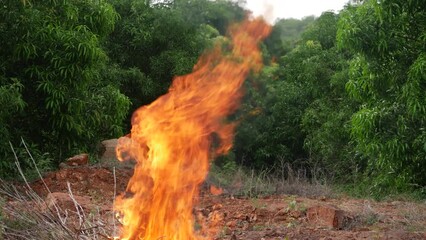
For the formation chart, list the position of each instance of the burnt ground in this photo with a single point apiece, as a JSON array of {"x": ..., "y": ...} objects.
[{"x": 271, "y": 217}]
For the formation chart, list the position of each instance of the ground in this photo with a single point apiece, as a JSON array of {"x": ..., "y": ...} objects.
[{"x": 236, "y": 217}]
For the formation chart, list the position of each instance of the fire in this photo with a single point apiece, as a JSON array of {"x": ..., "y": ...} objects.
[{"x": 173, "y": 139}]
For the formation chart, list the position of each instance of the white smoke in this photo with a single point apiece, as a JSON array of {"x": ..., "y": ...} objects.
[
  {"x": 265, "y": 8},
  {"x": 273, "y": 9}
]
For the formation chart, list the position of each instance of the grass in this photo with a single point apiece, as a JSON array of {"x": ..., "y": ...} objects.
[
  {"x": 26, "y": 215},
  {"x": 415, "y": 217},
  {"x": 239, "y": 181},
  {"x": 368, "y": 216},
  {"x": 361, "y": 188}
]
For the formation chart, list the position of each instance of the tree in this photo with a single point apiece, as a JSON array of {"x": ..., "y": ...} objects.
[
  {"x": 50, "y": 69},
  {"x": 285, "y": 35},
  {"x": 286, "y": 90},
  {"x": 218, "y": 14},
  {"x": 302, "y": 111},
  {"x": 326, "y": 120},
  {"x": 323, "y": 30},
  {"x": 387, "y": 76}
]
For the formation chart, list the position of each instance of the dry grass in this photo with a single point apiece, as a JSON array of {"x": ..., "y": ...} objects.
[
  {"x": 414, "y": 216},
  {"x": 367, "y": 217},
  {"x": 283, "y": 179},
  {"x": 26, "y": 215}
]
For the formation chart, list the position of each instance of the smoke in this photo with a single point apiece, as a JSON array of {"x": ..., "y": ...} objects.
[
  {"x": 268, "y": 11},
  {"x": 264, "y": 8}
]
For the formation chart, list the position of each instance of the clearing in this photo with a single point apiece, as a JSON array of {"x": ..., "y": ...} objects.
[{"x": 271, "y": 217}]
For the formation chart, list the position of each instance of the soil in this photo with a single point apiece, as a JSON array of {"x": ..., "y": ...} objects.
[{"x": 272, "y": 217}]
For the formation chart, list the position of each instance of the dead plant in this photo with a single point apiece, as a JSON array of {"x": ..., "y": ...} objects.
[{"x": 26, "y": 215}]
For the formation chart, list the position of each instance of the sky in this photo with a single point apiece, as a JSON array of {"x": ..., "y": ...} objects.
[{"x": 273, "y": 9}]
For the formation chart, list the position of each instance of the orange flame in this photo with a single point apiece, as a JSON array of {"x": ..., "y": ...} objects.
[{"x": 172, "y": 139}]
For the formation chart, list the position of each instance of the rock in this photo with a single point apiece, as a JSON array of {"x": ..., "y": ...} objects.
[
  {"x": 329, "y": 216},
  {"x": 108, "y": 155},
  {"x": 246, "y": 226},
  {"x": 216, "y": 218},
  {"x": 78, "y": 160},
  {"x": 231, "y": 224},
  {"x": 228, "y": 231},
  {"x": 217, "y": 206},
  {"x": 280, "y": 216},
  {"x": 108, "y": 147},
  {"x": 64, "y": 201},
  {"x": 215, "y": 190},
  {"x": 61, "y": 175},
  {"x": 262, "y": 212},
  {"x": 63, "y": 165},
  {"x": 295, "y": 214}
]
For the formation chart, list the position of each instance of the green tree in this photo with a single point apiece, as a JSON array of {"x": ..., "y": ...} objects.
[
  {"x": 285, "y": 35},
  {"x": 326, "y": 120},
  {"x": 302, "y": 109},
  {"x": 218, "y": 14},
  {"x": 323, "y": 30},
  {"x": 280, "y": 101},
  {"x": 267, "y": 130},
  {"x": 51, "y": 67},
  {"x": 387, "y": 76}
]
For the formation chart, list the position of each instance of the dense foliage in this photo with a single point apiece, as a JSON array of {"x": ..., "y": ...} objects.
[
  {"x": 304, "y": 109},
  {"x": 50, "y": 76},
  {"x": 348, "y": 100},
  {"x": 285, "y": 35},
  {"x": 342, "y": 94},
  {"x": 388, "y": 78}
]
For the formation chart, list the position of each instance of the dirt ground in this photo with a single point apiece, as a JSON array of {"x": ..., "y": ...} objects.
[{"x": 272, "y": 217}]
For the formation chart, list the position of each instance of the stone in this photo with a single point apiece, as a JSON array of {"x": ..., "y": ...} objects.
[
  {"x": 295, "y": 214},
  {"x": 231, "y": 224},
  {"x": 62, "y": 175},
  {"x": 64, "y": 201},
  {"x": 216, "y": 218},
  {"x": 108, "y": 147},
  {"x": 78, "y": 160},
  {"x": 63, "y": 165},
  {"x": 280, "y": 216},
  {"x": 326, "y": 215},
  {"x": 108, "y": 154},
  {"x": 217, "y": 206},
  {"x": 263, "y": 212}
]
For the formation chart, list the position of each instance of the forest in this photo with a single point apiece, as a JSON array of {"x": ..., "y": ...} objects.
[{"x": 342, "y": 95}]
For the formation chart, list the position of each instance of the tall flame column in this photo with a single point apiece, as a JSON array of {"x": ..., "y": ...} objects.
[{"x": 171, "y": 139}]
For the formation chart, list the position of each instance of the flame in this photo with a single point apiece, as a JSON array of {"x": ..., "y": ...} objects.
[{"x": 173, "y": 139}]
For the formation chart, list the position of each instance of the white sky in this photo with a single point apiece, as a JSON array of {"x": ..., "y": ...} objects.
[{"x": 273, "y": 9}]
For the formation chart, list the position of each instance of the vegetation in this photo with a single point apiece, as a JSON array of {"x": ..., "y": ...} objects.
[
  {"x": 388, "y": 79},
  {"x": 50, "y": 77},
  {"x": 342, "y": 94}
]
